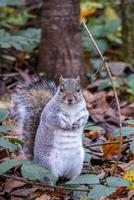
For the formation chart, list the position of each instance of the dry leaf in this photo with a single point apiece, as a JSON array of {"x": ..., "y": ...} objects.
[
  {"x": 117, "y": 68},
  {"x": 85, "y": 13},
  {"x": 128, "y": 110},
  {"x": 110, "y": 149},
  {"x": 93, "y": 134},
  {"x": 24, "y": 192},
  {"x": 12, "y": 184},
  {"x": 43, "y": 197},
  {"x": 16, "y": 198},
  {"x": 126, "y": 166}
]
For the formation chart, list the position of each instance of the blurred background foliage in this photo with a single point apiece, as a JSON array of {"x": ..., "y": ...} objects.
[{"x": 20, "y": 35}]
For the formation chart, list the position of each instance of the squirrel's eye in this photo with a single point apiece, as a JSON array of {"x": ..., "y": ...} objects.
[
  {"x": 78, "y": 90},
  {"x": 61, "y": 89}
]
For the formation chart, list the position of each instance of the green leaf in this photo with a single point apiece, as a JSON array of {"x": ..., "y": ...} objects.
[
  {"x": 8, "y": 164},
  {"x": 130, "y": 121},
  {"x": 88, "y": 45},
  {"x": 5, "y": 39},
  {"x": 92, "y": 128},
  {"x": 96, "y": 62},
  {"x": 3, "y": 114},
  {"x": 78, "y": 194},
  {"x": 6, "y": 128},
  {"x": 27, "y": 39},
  {"x": 111, "y": 26},
  {"x": 87, "y": 157},
  {"x": 17, "y": 140},
  {"x": 3, "y": 3},
  {"x": 132, "y": 147},
  {"x": 107, "y": 84},
  {"x": 84, "y": 198},
  {"x": 15, "y": 2},
  {"x": 36, "y": 172},
  {"x": 85, "y": 179},
  {"x": 7, "y": 144},
  {"x": 101, "y": 191},
  {"x": 19, "y": 19},
  {"x": 96, "y": 30},
  {"x": 125, "y": 131},
  {"x": 20, "y": 43},
  {"x": 32, "y": 34},
  {"x": 101, "y": 30},
  {"x": 115, "y": 181},
  {"x": 130, "y": 83}
]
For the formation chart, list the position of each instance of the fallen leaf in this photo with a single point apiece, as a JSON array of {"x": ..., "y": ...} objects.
[
  {"x": 43, "y": 197},
  {"x": 128, "y": 110},
  {"x": 12, "y": 184},
  {"x": 24, "y": 192},
  {"x": 126, "y": 166},
  {"x": 130, "y": 195},
  {"x": 16, "y": 198},
  {"x": 117, "y": 68},
  {"x": 93, "y": 134},
  {"x": 110, "y": 150}
]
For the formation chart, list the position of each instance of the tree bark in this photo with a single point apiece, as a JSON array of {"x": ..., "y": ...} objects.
[
  {"x": 60, "y": 48},
  {"x": 127, "y": 11}
]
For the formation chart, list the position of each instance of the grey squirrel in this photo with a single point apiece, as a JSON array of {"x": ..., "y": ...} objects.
[{"x": 51, "y": 122}]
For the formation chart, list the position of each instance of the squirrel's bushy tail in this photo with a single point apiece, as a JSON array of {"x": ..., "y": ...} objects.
[{"x": 26, "y": 108}]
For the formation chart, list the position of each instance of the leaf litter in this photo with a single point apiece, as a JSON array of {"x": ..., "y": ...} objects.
[{"x": 100, "y": 145}]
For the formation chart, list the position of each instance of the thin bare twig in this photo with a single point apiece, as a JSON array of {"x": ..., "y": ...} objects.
[
  {"x": 106, "y": 143},
  {"x": 42, "y": 184},
  {"x": 114, "y": 90}
]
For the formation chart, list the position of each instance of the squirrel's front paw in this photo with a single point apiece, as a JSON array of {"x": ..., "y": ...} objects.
[
  {"x": 65, "y": 125},
  {"x": 78, "y": 124},
  {"x": 75, "y": 125}
]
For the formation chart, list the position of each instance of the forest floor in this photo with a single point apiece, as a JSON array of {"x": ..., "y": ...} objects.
[{"x": 101, "y": 144}]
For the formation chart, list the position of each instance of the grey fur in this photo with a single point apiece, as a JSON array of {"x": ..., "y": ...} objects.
[
  {"x": 31, "y": 100},
  {"x": 51, "y": 121}
]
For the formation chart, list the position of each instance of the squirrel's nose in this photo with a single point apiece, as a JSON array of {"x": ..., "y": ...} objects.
[{"x": 70, "y": 101}]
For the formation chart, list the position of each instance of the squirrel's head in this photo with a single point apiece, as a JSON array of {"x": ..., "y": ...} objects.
[{"x": 69, "y": 90}]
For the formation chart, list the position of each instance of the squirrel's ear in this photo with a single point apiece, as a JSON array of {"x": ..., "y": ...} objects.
[
  {"x": 78, "y": 79},
  {"x": 61, "y": 80}
]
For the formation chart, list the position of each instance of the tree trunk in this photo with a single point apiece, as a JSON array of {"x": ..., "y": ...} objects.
[
  {"x": 127, "y": 10},
  {"x": 60, "y": 48}
]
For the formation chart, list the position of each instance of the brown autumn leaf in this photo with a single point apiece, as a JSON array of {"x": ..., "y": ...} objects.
[
  {"x": 21, "y": 59},
  {"x": 128, "y": 110},
  {"x": 100, "y": 108},
  {"x": 24, "y": 192},
  {"x": 110, "y": 150},
  {"x": 93, "y": 134},
  {"x": 12, "y": 184},
  {"x": 119, "y": 192},
  {"x": 3, "y": 154},
  {"x": 43, "y": 197},
  {"x": 16, "y": 198}
]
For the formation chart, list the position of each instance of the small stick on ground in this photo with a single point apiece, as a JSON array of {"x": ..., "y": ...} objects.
[
  {"x": 42, "y": 184},
  {"x": 114, "y": 90},
  {"x": 106, "y": 143}
]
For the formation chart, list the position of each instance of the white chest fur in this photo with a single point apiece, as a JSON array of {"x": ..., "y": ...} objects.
[{"x": 68, "y": 154}]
